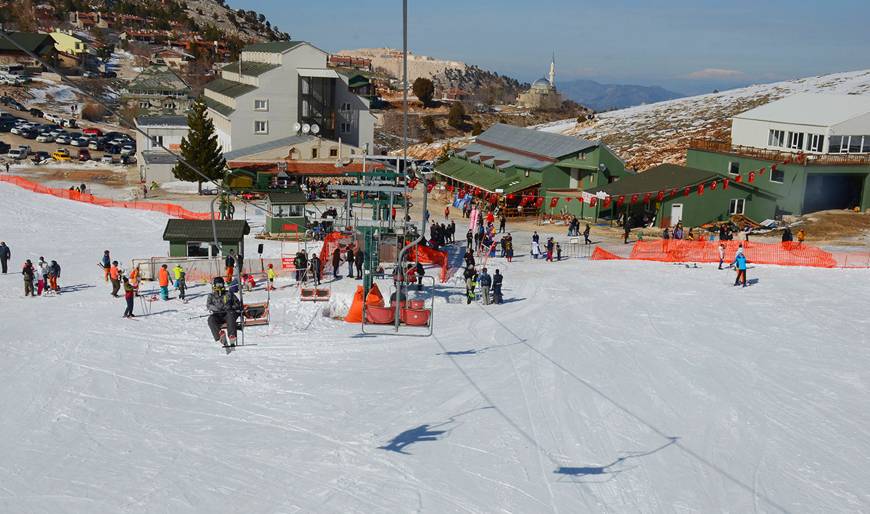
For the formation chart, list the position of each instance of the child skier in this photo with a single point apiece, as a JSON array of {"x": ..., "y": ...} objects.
[
  {"x": 470, "y": 283},
  {"x": 721, "y": 254},
  {"x": 42, "y": 281},
  {"x": 106, "y": 263},
  {"x": 740, "y": 264},
  {"x": 53, "y": 276},
  {"x": 129, "y": 293},
  {"x": 270, "y": 276}
]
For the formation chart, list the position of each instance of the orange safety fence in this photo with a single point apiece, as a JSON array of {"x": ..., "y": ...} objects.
[
  {"x": 173, "y": 210},
  {"x": 600, "y": 254},
  {"x": 784, "y": 254},
  {"x": 332, "y": 241},
  {"x": 428, "y": 255}
]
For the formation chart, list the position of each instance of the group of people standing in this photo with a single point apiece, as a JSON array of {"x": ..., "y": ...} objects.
[
  {"x": 40, "y": 278},
  {"x": 550, "y": 249}
]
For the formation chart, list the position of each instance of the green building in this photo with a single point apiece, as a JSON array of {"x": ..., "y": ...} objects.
[
  {"x": 195, "y": 238},
  {"x": 691, "y": 209},
  {"x": 509, "y": 160},
  {"x": 286, "y": 212}
]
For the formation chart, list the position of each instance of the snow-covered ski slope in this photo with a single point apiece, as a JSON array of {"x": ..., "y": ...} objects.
[{"x": 598, "y": 387}]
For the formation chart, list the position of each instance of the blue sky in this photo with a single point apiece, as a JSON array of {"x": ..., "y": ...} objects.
[{"x": 687, "y": 46}]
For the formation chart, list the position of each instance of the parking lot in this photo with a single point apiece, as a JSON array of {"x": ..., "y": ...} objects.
[{"x": 46, "y": 137}]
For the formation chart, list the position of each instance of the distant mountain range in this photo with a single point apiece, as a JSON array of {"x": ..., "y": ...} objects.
[{"x": 606, "y": 97}]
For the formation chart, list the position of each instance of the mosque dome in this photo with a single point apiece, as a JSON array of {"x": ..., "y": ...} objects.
[{"x": 541, "y": 83}]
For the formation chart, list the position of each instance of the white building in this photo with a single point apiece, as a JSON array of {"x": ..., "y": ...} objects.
[
  {"x": 276, "y": 85},
  {"x": 155, "y": 164},
  {"x": 807, "y": 122}
]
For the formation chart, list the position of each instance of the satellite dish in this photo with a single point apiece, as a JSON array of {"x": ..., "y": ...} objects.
[
  {"x": 297, "y": 126},
  {"x": 306, "y": 128},
  {"x": 315, "y": 128}
]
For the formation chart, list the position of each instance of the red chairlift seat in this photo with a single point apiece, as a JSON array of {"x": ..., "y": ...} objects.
[{"x": 380, "y": 315}]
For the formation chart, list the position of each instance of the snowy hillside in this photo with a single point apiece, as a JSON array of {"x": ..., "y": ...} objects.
[
  {"x": 598, "y": 387},
  {"x": 651, "y": 134}
]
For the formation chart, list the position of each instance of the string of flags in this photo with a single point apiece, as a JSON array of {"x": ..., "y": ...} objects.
[{"x": 606, "y": 200}]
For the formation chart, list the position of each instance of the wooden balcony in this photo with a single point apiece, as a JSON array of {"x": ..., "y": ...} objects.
[{"x": 711, "y": 145}]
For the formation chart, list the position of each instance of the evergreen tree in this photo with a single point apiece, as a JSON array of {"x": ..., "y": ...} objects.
[
  {"x": 456, "y": 116},
  {"x": 200, "y": 149},
  {"x": 424, "y": 90}
]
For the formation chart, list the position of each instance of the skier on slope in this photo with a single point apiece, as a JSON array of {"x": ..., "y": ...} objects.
[
  {"x": 470, "y": 276},
  {"x": 106, "y": 263},
  {"x": 129, "y": 293},
  {"x": 42, "y": 276},
  {"x": 115, "y": 278},
  {"x": 163, "y": 282},
  {"x": 740, "y": 264},
  {"x": 224, "y": 308},
  {"x": 53, "y": 276},
  {"x": 28, "y": 272},
  {"x": 5, "y": 255}
]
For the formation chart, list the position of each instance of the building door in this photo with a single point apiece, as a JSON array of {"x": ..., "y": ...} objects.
[
  {"x": 573, "y": 181},
  {"x": 676, "y": 213}
]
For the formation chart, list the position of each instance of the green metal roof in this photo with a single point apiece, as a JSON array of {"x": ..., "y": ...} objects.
[
  {"x": 213, "y": 104},
  {"x": 34, "y": 42},
  {"x": 577, "y": 163},
  {"x": 357, "y": 81},
  {"x": 663, "y": 177},
  {"x": 488, "y": 179},
  {"x": 201, "y": 230},
  {"x": 229, "y": 88},
  {"x": 249, "y": 68},
  {"x": 272, "y": 47},
  {"x": 286, "y": 197}
]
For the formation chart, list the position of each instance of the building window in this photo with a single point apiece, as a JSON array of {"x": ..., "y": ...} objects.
[
  {"x": 144, "y": 105},
  {"x": 834, "y": 144},
  {"x": 777, "y": 176},
  {"x": 734, "y": 168},
  {"x": 815, "y": 142},
  {"x": 261, "y": 127},
  {"x": 737, "y": 206},
  {"x": 157, "y": 140},
  {"x": 314, "y": 153},
  {"x": 776, "y": 138},
  {"x": 796, "y": 140},
  {"x": 581, "y": 156},
  {"x": 261, "y": 105},
  {"x": 866, "y": 147},
  {"x": 345, "y": 107},
  {"x": 199, "y": 249},
  {"x": 346, "y": 128},
  {"x": 855, "y": 144},
  {"x": 333, "y": 152}
]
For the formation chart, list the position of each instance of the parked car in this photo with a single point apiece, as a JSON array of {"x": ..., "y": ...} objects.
[
  {"x": 127, "y": 150},
  {"x": 78, "y": 141},
  {"x": 69, "y": 123},
  {"x": 35, "y": 112},
  {"x": 62, "y": 139},
  {"x": 17, "y": 154},
  {"x": 93, "y": 144},
  {"x": 54, "y": 118},
  {"x": 84, "y": 155},
  {"x": 107, "y": 159},
  {"x": 92, "y": 131},
  {"x": 45, "y": 137},
  {"x": 29, "y": 134},
  {"x": 57, "y": 132},
  {"x": 112, "y": 149},
  {"x": 60, "y": 156},
  {"x": 40, "y": 156}
]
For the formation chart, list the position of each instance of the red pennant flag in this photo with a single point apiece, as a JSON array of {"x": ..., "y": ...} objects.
[
  {"x": 714, "y": 185},
  {"x": 772, "y": 168},
  {"x": 607, "y": 200},
  {"x": 510, "y": 196},
  {"x": 686, "y": 191},
  {"x": 634, "y": 198},
  {"x": 430, "y": 186},
  {"x": 738, "y": 179},
  {"x": 539, "y": 202},
  {"x": 700, "y": 189},
  {"x": 580, "y": 199},
  {"x": 674, "y": 193},
  {"x": 751, "y": 177},
  {"x": 554, "y": 201},
  {"x": 593, "y": 201},
  {"x": 724, "y": 183},
  {"x": 568, "y": 198},
  {"x": 761, "y": 171},
  {"x": 661, "y": 196},
  {"x": 647, "y": 197},
  {"x": 620, "y": 200}
]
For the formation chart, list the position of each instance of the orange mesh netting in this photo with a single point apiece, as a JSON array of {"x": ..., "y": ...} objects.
[
  {"x": 428, "y": 255},
  {"x": 166, "y": 208},
  {"x": 784, "y": 254},
  {"x": 332, "y": 241},
  {"x": 600, "y": 254}
]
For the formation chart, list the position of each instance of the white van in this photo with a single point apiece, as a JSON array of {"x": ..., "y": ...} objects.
[{"x": 17, "y": 154}]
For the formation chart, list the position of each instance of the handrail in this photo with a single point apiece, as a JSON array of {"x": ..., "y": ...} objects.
[{"x": 779, "y": 156}]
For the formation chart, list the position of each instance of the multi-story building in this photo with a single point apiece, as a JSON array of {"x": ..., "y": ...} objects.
[
  {"x": 158, "y": 90},
  {"x": 155, "y": 163},
  {"x": 276, "y": 85}
]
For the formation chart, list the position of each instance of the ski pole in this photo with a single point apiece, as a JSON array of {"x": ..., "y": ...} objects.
[{"x": 198, "y": 317}]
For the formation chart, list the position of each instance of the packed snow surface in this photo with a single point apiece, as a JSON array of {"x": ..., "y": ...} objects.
[{"x": 597, "y": 387}]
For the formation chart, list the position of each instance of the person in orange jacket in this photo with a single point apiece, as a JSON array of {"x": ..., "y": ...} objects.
[
  {"x": 163, "y": 280},
  {"x": 115, "y": 277}
]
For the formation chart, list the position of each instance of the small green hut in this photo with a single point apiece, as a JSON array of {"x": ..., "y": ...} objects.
[
  {"x": 286, "y": 212},
  {"x": 194, "y": 238}
]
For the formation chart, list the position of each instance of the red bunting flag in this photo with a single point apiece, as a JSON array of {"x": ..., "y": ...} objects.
[
  {"x": 674, "y": 193},
  {"x": 761, "y": 171},
  {"x": 580, "y": 199},
  {"x": 554, "y": 201},
  {"x": 450, "y": 188},
  {"x": 568, "y": 198},
  {"x": 725, "y": 183},
  {"x": 430, "y": 186},
  {"x": 607, "y": 200},
  {"x": 661, "y": 196},
  {"x": 510, "y": 196},
  {"x": 634, "y": 198},
  {"x": 620, "y": 200},
  {"x": 714, "y": 185},
  {"x": 751, "y": 177},
  {"x": 687, "y": 191},
  {"x": 772, "y": 168},
  {"x": 539, "y": 202},
  {"x": 647, "y": 197},
  {"x": 738, "y": 179},
  {"x": 594, "y": 200},
  {"x": 700, "y": 189}
]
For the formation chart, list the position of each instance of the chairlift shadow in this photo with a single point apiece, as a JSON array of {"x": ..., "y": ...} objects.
[
  {"x": 75, "y": 288},
  {"x": 612, "y": 469},
  {"x": 167, "y": 311},
  {"x": 424, "y": 433}
]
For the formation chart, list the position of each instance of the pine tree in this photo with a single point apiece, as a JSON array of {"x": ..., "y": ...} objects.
[{"x": 200, "y": 149}]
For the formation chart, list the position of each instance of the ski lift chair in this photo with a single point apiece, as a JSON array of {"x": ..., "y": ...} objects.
[{"x": 256, "y": 314}]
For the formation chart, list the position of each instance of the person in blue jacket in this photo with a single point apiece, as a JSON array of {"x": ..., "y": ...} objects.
[{"x": 740, "y": 264}]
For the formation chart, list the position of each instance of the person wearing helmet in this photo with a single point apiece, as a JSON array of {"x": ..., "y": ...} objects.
[{"x": 224, "y": 308}]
